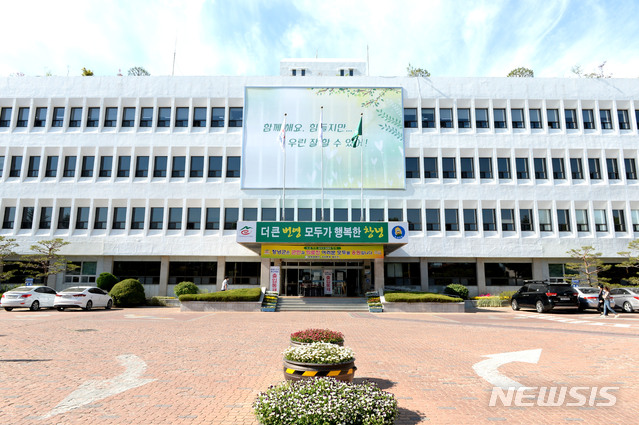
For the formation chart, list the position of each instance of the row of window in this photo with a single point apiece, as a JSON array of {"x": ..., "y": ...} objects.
[
  {"x": 447, "y": 168},
  {"x": 123, "y": 117},
  {"x": 123, "y": 169},
  {"x": 444, "y": 118},
  {"x": 451, "y": 218}
]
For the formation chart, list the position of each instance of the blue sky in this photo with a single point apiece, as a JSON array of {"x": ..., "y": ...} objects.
[{"x": 249, "y": 37}]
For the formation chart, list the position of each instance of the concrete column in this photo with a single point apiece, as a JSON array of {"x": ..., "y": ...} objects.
[
  {"x": 265, "y": 268},
  {"x": 423, "y": 271},
  {"x": 221, "y": 270},
  {"x": 379, "y": 273},
  {"x": 106, "y": 265},
  {"x": 164, "y": 277},
  {"x": 481, "y": 278},
  {"x": 539, "y": 269}
]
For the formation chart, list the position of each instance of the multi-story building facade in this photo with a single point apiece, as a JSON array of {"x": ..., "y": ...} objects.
[{"x": 148, "y": 177}]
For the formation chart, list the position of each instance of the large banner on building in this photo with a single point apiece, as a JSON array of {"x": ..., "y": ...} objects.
[{"x": 266, "y": 156}]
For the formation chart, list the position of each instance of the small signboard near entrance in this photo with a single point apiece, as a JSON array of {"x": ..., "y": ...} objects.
[{"x": 274, "y": 281}]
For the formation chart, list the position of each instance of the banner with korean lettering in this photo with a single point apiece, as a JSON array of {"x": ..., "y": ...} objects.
[
  {"x": 382, "y": 155},
  {"x": 328, "y": 252},
  {"x": 274, "y": 279}
]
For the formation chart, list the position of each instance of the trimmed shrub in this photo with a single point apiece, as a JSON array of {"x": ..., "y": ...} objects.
[
  {"x": 242, "y": 294},
  {"x": 507, "y": 295},
  {"x": 158, "y": 301},
  {"x": 489, "y": 302},
  {"x": 106, "y": 281},
  {"x": 186, "y": 288},
  {"x": 419, "y": 297},
  {"x": 457, "y": 290},
  {"x": 128, "y": 293}
]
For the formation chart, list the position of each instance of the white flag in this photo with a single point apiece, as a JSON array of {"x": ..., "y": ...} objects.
[{"x": 282, "y": 135}]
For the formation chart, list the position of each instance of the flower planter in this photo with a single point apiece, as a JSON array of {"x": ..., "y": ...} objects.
[
  {"x": 295, "y": 371},
  {"x": 297, "y": 343}
]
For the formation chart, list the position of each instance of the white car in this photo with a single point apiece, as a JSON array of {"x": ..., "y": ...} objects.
[
  {"x": 31, "y": 297},
  {"x": 626, "y": 298},
  {"x": 85, "y": 297}
]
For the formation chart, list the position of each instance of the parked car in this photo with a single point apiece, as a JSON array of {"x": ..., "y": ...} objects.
[
  {"x": 544, "y": 296},
  {"x": 32, "y": 297},
  {"x": 588, "y": 297},
  {"x": 626, "y": 298},
  {"x": 85, "y": 297}
]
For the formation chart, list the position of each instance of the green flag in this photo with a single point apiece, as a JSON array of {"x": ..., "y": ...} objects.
[{"x": 357, "y": 134}]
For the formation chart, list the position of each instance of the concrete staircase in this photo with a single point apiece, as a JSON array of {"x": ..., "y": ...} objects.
[{"x": 321, "y": 304}]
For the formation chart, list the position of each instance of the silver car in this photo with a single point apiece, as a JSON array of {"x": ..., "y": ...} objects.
[
  {"x": 588, "y": 297},
  {"x": 626, "y": 298}
]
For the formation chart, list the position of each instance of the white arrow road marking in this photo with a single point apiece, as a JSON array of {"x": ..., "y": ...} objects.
[
  {"x": 488, "y": 369},
  {"x": 92, "y": 391},
  {"x": 135, "y": 316}
]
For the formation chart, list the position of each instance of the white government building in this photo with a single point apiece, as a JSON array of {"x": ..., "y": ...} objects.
[{"x": 479, "y": 181}]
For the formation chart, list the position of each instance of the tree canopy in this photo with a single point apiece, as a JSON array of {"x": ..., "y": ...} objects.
[
  {"x": 417, "y": 72},
  {"x": 521, "y": 72},
  {"x": 578, "y": 71},
  {"x": 87, "y": 72},
  {"x": 587, "y": 266},
  {"x": 138, "y": 71}
]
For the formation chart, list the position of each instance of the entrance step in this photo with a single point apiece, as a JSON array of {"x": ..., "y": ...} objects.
[{"x": 321, "y": 304}]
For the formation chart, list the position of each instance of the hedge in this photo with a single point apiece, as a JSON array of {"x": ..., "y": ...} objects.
[
  {"x": 419, "y": 297},
  {"x": 128, "y": 293},
  {"x": 242, "y": 294}
]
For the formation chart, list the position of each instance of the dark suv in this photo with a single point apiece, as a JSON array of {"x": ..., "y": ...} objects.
[{"x": 544, "y": 296}]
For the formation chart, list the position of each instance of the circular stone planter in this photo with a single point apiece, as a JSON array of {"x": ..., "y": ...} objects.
[
  {"x": 295, "y": 371},
  {"x": 297, "y": 343}
]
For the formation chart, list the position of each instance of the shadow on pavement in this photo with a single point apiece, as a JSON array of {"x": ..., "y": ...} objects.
[
  {"x": 410, "y": 417},
  {"x": 383, "y": 384}
]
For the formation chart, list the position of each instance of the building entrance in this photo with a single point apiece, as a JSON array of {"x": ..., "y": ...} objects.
[{"x": 308, "y": 279}]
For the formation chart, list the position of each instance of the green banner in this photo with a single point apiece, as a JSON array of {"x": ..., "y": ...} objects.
[{"x": 318, "y": 232}]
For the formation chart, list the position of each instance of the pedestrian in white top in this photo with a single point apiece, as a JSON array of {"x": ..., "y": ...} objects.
[{"x": 225, "y": 283}]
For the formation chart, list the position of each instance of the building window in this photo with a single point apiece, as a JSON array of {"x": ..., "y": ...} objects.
[
  {"x": 85, "y": 273},
  {"x": 142, "y": 166},
  {"x": 581, "y": 217},
  {"x": 412, "y": 167},
  {"x": 619, "y": 220},
  {"x": 467, "y": 168},
  {"x": 540, "y": 168},
  {"x": 402, "y": 274},
  {"x": 106, "y": 165},
  {"x": 563, "y": 220},
  {"x": 27, "y": 218},
  {"x": 242, "y": 273},
  {"x": 9, "y": 217},
  {"x": 159, "y": 166},
  {"x": 40, "y": 117},
  {"x": 175, "y": 218},
  {"x": 631, "y": 168},
  {"x": 428, "y": 118},
  {"x": 432, "y": 219},
  {"x": 51, "y": 169},
  {"x": 358, "y": 214},
  {"x": 215, "y": 166},
  {"x": 535, "y": 118},
  {"x": 147, "y": 272},
  {"x": 1, "y": 165},
  {"x": 82, "y": 219},
  {"x": 507, "y": 220},
  {"x": 164, "y": 117},
  {"x": 558, "y": 169},
  {"x": 119, "y": 218},
  {"x": 146, "y": 117},
  {"x": 23, "y": 117},
  {"x": 526, "y": 220},
  {"x": 197, "y": 166},
  {"x": 634, "y": 215},
  {"x": 34, "y": 166},
  {"x": 489, "y": 219},
  {"x": 111, "y": 117},
  {"x": 233, "y": 166},
  {"x": 269, "y": 214},
  {"x": 193, "y": 218},
  {"x": 518, "y": 118},
  {"x": 124, "y": 166},
  {"x": 430, "y": 168},
  {"x": 545, "y": 222},
  {"x": 200, "y": 273},
  {"x": 128, "y": 117},
  {"x": 485, "y": 168},
  {"x": 376, "y": 214},
  {"x": 5, "y": 117},
  {"x": 451, "y": 219},
  {"x": 445, "y": 117},
  {"x": 410, "y": 117},
  {"x": 179, "y": 166},
  {"x": 553, "y": 118},
  {"x": 199, "y": 117},
  {"x": 442, "y": 274},
  {"x": 613, "y": 168},
  {"x": 64, "y": 217},
  {"x": 76, "y": 117},
  {"x": 503, "y": 168},
  {"x": 463, "y": 118},
  {"x": 500, "y": 118},
  {"x": 230, "y": 218},
  {"x": 182, "y": 117},
  {"x": 470, "y": 220},
  {"x": 157, "y": 218},
  {"x": 589, "y": 119},
  {"x": 217, "y": 117},
  {"x": 322, "y": 216},
  {"x": 576, "y": 169},
  {"x": 522, "y": 168},
  {"x": 45, "y": 217},
  {"x": 137, "y": 218},
  {"x": 235, "y": 117},
  {"x": 93, "y": 117},
  {"x": 100, "y": 220},
  {"x": 87, "y": 166},
  {"x": 594, "y": 168},
  {"x": 58, "y": 117},
  {"x": 448, "y": 168},
  {"x": 414, "y": 217},
  {"x": 507, "y": 274},
  {"x": 571, "y": 119},
  {"x": 304, "y": 214},
  {"x": 249, "y": 214},
  {"x": 601, "y": 224},
  {"x": 213, "y": 218},
  {"x": 16, "y": 166},
  {"x": 339, "y": 214},
  {"x": 481, "y": 118},
  {"x": 606, "y": 119},
  {"x": 69, "y": 166}
]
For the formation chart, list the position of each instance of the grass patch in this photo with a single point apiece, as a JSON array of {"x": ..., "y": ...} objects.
[
  {"x": 242, "y": 294},
  {"x": 419, "y": 297},
  {"x": 489, "y": 302}
]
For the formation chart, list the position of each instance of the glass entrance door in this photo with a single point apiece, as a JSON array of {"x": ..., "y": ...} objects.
[{"x": 307, "y": 279}]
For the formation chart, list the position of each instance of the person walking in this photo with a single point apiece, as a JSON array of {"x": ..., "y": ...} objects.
[
  {"x": 606, "y": 297},
  {"x": 600, "y": 300},
  {"x": 225, "y": 283}
]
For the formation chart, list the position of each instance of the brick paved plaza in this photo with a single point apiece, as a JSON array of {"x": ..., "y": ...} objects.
[{"x": 206, "y": 368}]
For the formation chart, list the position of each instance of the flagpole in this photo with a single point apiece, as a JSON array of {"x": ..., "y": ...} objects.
[
  {"x": 321, "y": 136},
  {"x": 361, "y": 174},
  {"x": 283, "y": 131}
]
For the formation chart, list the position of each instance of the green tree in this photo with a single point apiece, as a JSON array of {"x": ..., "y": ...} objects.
[
  {"x": 45, "y": 259},
  {"x": 587, "y": 266},
  {"x": 87, "y": 72},
  {"x": 138, "y": 71},
  {"x": 521, "y": 72},
  {"x": 7, "y": 245},
  {"x": 578, "y": 71},
  {"x": 631, "y": 260},
  {"x": 417, "y": 72}
]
